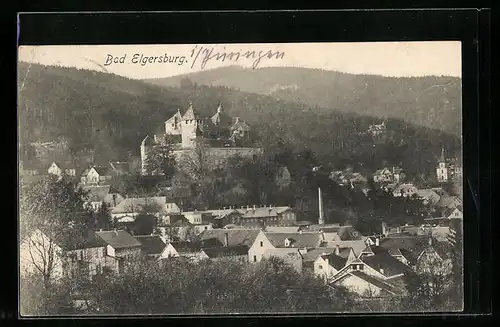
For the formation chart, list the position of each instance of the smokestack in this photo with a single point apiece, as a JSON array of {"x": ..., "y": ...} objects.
[
  {"x": 321, "y": 220},
  {"x": 226, "y": 239},
  {"x": 337, "y": 250}
]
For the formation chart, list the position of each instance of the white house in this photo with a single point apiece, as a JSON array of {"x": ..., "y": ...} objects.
[
  {"x": 158, "y": 205},
  {"x": 59, "y": 169},
  {"x": 328, "y": 265},
  {"x": 98, "y": 175},
  {"x": 67, "y": 253},
  {"x": 122, "y": 247}
]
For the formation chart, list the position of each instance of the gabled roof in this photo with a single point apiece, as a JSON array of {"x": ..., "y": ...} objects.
[
  {"x": 151, "y": 244},
  {"x": 235, "y": 236},
  {"x": 388, "y": 263},
  {"x": 196, "y": 246},
  {"x": 271, "y": 229},
  {"x": 218, "y": 252},
  {"x": 357, "y": 246},
  {"x": 382, "y": 284},
  {"x": 221, "y": 118},
  {"x": 300, "y": 240},
  {"x": 119, "y": 239},
  {"x": 177, "y": 114},
  {"x": 103, "y": 170},
  {"x": 346, "y": 233},
  {"x": 313, "y": 254},
  {"x": 336, "y": 261},
  {"x": 72, "y": 239}
]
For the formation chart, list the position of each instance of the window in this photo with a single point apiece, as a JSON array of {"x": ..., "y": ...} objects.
[
  {"x": 261, "y": 244},
  {"x": 254, "y": 258},
  {"x": 320, "y": 267},
  {"x": 360, "y": 267}
]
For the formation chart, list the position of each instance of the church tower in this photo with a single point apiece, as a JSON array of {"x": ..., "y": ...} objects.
[
  {"x": 442, "y": 170},
  {"x": 190, "y": 127}
]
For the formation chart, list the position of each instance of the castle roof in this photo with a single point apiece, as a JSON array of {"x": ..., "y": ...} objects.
[
  {"x": 177, "y": 114},
  {"x": 189, "y": 114},
  {"x": 221, "y": 118}
]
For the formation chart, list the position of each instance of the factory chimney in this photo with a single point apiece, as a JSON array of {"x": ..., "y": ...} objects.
[{"x": 321, "y": 220}]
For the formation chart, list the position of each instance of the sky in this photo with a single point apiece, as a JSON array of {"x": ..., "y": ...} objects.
[{"x": 396, "y": 59}]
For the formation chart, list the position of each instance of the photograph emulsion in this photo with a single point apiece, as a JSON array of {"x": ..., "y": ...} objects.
[{"x": 241, "y": 178}]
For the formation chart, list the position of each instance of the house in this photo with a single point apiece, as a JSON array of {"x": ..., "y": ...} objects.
[
  {"x": 231, "y": 237},
  {"x": 268, "y": 241},
  {"x": 98, "y": 175},
  {"x": 428, "y": 196},
  {"x": 384, "y": 265},
  {"x": 152, "y": 246},
  {"x": 235, "y": 252},
  {"x": 388, "y": 175},
  {"x": 189, "y": 250},
  {"x": 357, "y": 246},
  {"x": 405, "y": 190},
  {"x": 62, "y": 169},
  {"x": 97, "y": 195},
  {"x": 309, "y": 256},
  {"x": 156, "y": 205},
  {"x": 403, "y": 248},
  {"x": 266, "y": 216},
  {"x": 290, "y": 256},
  {"x": 369, "y": 286},
  {"x": 68, "y": 253},
  {"x": 328, "y": 265},
  {"x": 123, "y": 247}
]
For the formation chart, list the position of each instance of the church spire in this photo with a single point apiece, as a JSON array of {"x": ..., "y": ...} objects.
[{"x": 441, "y": 159}]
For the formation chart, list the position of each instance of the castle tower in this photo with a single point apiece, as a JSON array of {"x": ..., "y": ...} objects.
[
  {"x": 146, "y": 145},
  {"x": 442, "y": 170},
  {"x": 190, "y": 127}
]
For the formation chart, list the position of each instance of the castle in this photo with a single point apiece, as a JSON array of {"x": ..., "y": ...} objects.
[
  {"x": 224, "y": 136},
  {"x": 448, "y": 170}
]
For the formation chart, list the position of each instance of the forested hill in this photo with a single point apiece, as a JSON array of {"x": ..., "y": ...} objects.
[
  {"x": 112, "y": 114},
  {"x": 429, "y": 101}
]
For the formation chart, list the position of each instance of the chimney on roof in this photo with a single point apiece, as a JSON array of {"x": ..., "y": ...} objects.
[
  {"x": 377, "y": 241},
  {"x": 381, "y": 270},
  {"x": 226, "y": 239},
  {"x": 254, "y": 207},
  {"x": 115, "y": 232},
  {"x": 100, "y": 229},
  {"x": 398, "y": 229},
  {"x": 337, "y": 249},
  {"x": 248, "y": 207}
]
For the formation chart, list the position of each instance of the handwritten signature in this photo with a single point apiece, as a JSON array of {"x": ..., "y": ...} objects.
[{"x": 206, "y": 54}]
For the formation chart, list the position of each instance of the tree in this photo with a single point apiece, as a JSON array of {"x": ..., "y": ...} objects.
[
  {"x": 161, "y": 159},
  {"x": 196, "y": 168},
  {"x": 103, "y": 217},
  {"x": 49, "y": 210}
]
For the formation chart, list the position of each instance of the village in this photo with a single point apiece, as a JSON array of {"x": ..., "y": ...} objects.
[{"x": 370, "y": 266}]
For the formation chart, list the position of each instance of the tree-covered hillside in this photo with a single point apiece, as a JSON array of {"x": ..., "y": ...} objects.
[
  {"x": 112, "y": 114},
  {"x": 431, "y": 101}
]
